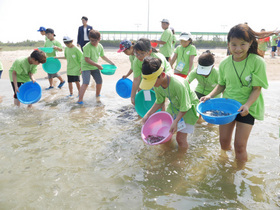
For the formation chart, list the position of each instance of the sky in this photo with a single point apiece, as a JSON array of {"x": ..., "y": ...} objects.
[{"x": 20, "y": 19}]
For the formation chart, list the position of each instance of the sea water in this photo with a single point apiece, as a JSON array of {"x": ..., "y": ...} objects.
[{"x": 61, "y": 155}]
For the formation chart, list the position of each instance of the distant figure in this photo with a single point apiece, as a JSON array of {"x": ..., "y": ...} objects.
[
  {"x": 23, "y": 69},
  {"x": 274, "y": 40},
  {"x": 42, "y": 31},
  {"x": 184, "y": 54},
  {"x": 74, "y": 57},
  {"x": 173, "y": 38},
  {"x": 262, "y": 44},
  {"x": 1, "y": 69},
  {"x": 83, "y": 33},
  {"x": 278, "y": 45},
  {"x": 51, "y": 42},
  {"x": 165, "y": 41}
]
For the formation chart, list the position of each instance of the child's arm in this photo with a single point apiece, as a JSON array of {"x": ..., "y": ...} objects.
[
  {"x": 89, "y": 61},
  {"x": 173, "y": 127},
  {"x": 252, "y": 98},
  {"x": 152, "y": 110},
  {"x": 107, "y": 60},
  {"x": 217, "y": 90},
  {"x": 191, "y": 63},
  {"x": 128, "y": 73},
  {"x": 174, "y": 58},
  {"x": 60, "y": 57},
  {"x": 31, "y": 77},
  {"x": 135, "y": 86},
  {"x": 14, "y": 75},
  {"x": 57, "y": 48}
]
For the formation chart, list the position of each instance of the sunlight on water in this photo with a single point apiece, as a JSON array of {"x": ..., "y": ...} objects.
[{"x": 60, "y": 155}]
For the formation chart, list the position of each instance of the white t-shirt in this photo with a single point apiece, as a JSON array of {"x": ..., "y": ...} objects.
[{"x": 85, "y": 34}]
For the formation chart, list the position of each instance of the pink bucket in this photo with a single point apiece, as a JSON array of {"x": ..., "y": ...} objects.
[{"x": 158, "y": 124}]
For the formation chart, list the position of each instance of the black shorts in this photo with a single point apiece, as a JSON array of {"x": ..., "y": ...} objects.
[
  {"x": 248, "y": 119},
  {"x": 273, "y": 48},
  {"x": 199, "y": 95},
  {"x": 18, "y": 84},
  {"x": 73, "y": 78}
]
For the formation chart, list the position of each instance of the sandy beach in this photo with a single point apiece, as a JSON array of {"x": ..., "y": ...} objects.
[{"x": 121, "y": 60}]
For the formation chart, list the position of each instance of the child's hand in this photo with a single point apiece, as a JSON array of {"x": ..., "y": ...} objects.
[
  {"x": 244, "y": 110},
  {"x": 124, "y": 76},
  {"x": 133, "y": 101},
  {"x": 144, "y": 119},
  {"x": 173, "y": 127},
  {"x": 99, "y": 66},
  {"x": 204, "y": 98},
  {"x": 16, "y": 90}
]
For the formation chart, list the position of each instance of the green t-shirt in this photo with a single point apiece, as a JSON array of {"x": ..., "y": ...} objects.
[
  {"x": 137, "y": 64},
  {"x": 131, "y": 59},
  {"x": 22, "y": 67},
  {"x": 166, "y": 49},
  {"x": 273, "y": 40},
  {"x": 205, "y": 84},
  {"x": 52, "y": 43},
  {"x": 74, "y": 57},
  {"x": 1, "y": 66},
  {"x": 181, "y": 98},
  {"x": 93, "y": 53},
  {"x": 254, "y": 74},
  {"x": 183, "y": 58},
  {"x": 173, "y": 41}
]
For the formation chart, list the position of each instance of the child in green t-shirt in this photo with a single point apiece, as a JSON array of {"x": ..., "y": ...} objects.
[
  {"x": 242, "y": 75},
  {"x": 1, "y": 69},
  {"x": 74, "y": 57},
  {"x": 92, "y": 51},
  {"x": 51, "y": 42},
  {"x": 184, "y": 54},
  {"x": 183, "y": 100},
  {"x": 23, "y": 69},
  {"x": 206, "y": 74},
  {"x": 126, "y": 46}
]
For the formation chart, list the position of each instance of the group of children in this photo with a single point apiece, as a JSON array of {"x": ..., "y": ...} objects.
[{"x": 241, "y": 76}]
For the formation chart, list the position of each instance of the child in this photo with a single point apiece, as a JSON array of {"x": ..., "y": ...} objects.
[
  {"x": 278, "y": 45},
  {"x": 1, "y": 69},
  {"x": 142, "y": 49},
  {"x": 173, "y": 38},
  {"x": 127, "y": 47},
  {"x": 206, "y": 75},
  {"x": 165, "y": 40},
  {"x": 262, "y": 44},
  {"x": 183, "y": 101},
  {"x": 74, "y": 57},
  {"x": 241, "y": 77},
  {"x": 23, "y": 69},
  {"x": 184, "y": 54},
  {"x": 92, "y": 51},
  {"x": 51, "y": 42},
  {"x": 274, "y": 40},
  {"x": 42, "y": 31}
]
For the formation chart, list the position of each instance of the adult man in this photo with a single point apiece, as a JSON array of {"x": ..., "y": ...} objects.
[
  {"x": 165, "y": 40},
  {"x": 83, "y": 33}
]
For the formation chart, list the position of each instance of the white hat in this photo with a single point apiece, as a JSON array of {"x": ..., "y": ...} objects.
[
  {"x": 185, "y": 36},
  {"x": 67, "y": 39},
  {"x": 204, "y": 70},
  {"x": 165, "y": 21}
]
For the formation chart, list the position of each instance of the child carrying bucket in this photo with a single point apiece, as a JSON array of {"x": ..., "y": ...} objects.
[
  {"x": 74, "y": 57},
  {"x": 206, "y": 75},
  {"x": 183, "y": 100},
  {"x": 242, "y": 75},
  {"x": 184, "y": 55},
  {"x": 23, "y": 69},
  {"x": 126, "y": 46}
]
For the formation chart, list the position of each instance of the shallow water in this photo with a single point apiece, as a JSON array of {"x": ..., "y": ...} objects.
[{"x": 60, "y": 155}]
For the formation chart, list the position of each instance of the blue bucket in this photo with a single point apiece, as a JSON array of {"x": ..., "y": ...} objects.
[
  {"x": 226, "y": 105},
  {"x": 29, "y": 93},
  {"x": 108, "y": 69},
  {"x": 144, "y": 102},
  {"x": 52, "y": 65},
  {"x": 46, "y": 49},
  {"x": 124, "y": 87}
]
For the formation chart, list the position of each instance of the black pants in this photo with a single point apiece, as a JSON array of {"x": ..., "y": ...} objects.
[{"x": 82, "y": 45}]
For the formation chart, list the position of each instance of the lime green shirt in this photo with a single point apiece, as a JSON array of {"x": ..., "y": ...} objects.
[
  {"x": 254, "y": 74},
  {"x": 93, "y": 53},
  {"x": 22, "y": 67},
  {"x": 166, "y": 49},
  {"x": 173, "y": 41},
  {"x": 52, "y": 43},
  {"x": 74, "y": 57},
  {"x": 137, "y": 64},
  {"x": 182, "y": 97},
  {"x": 131, "y": 59},
  {"x": 205, "y": 84},
  {"x": 183, "y": 58},
  {"x": 273, "y": 40}
]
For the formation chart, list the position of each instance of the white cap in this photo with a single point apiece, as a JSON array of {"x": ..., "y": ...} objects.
[
  {"x": 204, "y": 70},
  {"x": 165, "y": 21},
  {"x": 67, "y": 39},
  {"x": 185, "y": 36}
]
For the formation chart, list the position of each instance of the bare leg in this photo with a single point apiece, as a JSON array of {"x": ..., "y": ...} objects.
[
  {"x": 60, "y": 78},
  {"x": 225, "y": 135},
  {"x": 78, "y": 86},
  {"x": 70, "y": 86},
  {"x": 82, "y": 92},
  {"x": 242, "y": 134},
  {"x": 51, "y": 81},
  {"x": 181, "y": 139},
  {"x": 98, "y": 89},
  {"x": 16, "y": 102}
]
